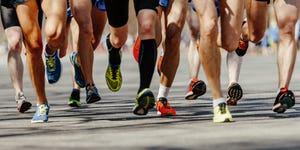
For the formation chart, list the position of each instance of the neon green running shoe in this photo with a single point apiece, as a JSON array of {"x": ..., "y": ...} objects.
[
  {"x": 222, "y": 114},
  {"x": 113, "y": 77},
  {"x": 144, "y": 101},
  {"x": 74, "y": 99}
]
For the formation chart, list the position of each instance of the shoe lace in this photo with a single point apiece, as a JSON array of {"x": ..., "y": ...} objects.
[
  {"x": 222, "y": 108},
  {"x": 51, "y": 63},
  {"x": 42, "y": 110},
  {"x": 114, "y": 72}
]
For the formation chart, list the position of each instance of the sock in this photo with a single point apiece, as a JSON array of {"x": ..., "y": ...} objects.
[
  {"x": 163, "y": 91},
  {"x": 114, "y": 53},
  {"x": 218, "y": 101},
  {"x": 147, "y": 61},
  {"x": 75, "y": 94}
]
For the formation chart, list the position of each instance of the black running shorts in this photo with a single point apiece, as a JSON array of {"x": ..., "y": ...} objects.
[
  {"x": 117, "y": 10},
  {"x": 268, "y": 1},
  {"x": 9, "y": 16}
]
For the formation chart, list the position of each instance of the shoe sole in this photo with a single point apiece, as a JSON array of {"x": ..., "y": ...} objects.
[
  {"x": 198, "y": 90},
  {"x": 74, "y": 103},
  {"x": 24, "y": 107},
  {"x": 234, "y": 93},
  {"x": 284, "y": 104},
  {"x": 93, "y": 98},
  {"x": 108, "y": 81},
  {"x": 145, "y": 102}
]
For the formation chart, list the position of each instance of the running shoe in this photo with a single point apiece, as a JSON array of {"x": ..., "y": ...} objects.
[
  {"x": 74, "y": 99},
  {"x": 285, "y": 99},
  {"x": 164, "y": 108},
  {"x": 41, "y": 113},
  {"x": 144, "y": 101},
  {"x": 113, "y": 73},
  {"x": 222, "y": 114},
  {"x": 92, "y": 95},
  {"x": 243, "y": 47},
  {"x": 234, "y": 93},
  {"x": 78, "y": 77},
  {"x": 136, "y": 49},
  {"x": 113, "y": 77},
  {"x": 22, "y": 103},
  {"x": 196, "y": 88},
  {"x": 53, "y": 67},
  {"x": 159, "y": 61}
]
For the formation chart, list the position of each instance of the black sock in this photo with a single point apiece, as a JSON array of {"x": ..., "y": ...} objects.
[
  {"x": 75, "y": 94},
  {"x": 147, "y": 61},
  {"x": 114, "y": 53}
]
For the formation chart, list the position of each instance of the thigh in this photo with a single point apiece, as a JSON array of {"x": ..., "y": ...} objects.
[
  {"x": 175, "y": 13},
  {"x": 55, "y": 9},
  {"x": 99, "y": 20},
  {"x": 231, "y": 12},
  {"x": 145, "y": 4},
  {"x": 9, "y": 17},
  {"x": 81, "y": 10},
  {"x": 256, "y": 16},
  {"x": 287, "y": 11}
]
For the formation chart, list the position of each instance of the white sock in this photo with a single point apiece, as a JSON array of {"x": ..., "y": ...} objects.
[
  {"x": 218, "y": 101},
  {"x": 163, "y": 91}
]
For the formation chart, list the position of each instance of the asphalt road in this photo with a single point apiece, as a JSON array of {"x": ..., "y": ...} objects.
[{"x": 110, "y": 123}]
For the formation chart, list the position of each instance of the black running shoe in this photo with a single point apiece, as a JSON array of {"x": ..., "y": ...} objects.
[
  {"x": 285, "y": 99},
  {"x": 234, "y": 93}
]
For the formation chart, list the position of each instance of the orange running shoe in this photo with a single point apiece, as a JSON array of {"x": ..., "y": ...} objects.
[
  {"x": 164, "y": 108},
  {"x": 195, "y": 89},
  {"x": 243, "y": 47},
  {"x": 136, "y": 49},
  {"x": 159, "y": 61}
]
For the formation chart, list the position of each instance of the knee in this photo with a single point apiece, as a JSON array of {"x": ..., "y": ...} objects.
[
  {"x": 287, "y": 31},
  {"x": 147, "y": 27},
  {"x": 209, "y": 29},
  {"x": 256, "y": 35},
  {"x": 34, "y": 48},
  {"x": 230, "y": 44},
  {"x": 54, "y": 30},
  {"x": 173, "y": 34},
  {"x": 15, "y": 44}
]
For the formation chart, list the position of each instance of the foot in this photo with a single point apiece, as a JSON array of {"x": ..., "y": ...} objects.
[
  {"x": 222, "y": 114},
  {"x": 53, "y": 67},
  {"x": 243, "y": 47},
  {"x": 164, "y": 108},
  {"x": 41, "y": 113},
  {"x": 234, "y": 93},
  {"x": 78, "y": 77},
  {"x": 285, "y": 99},
  {"x": 22, "y": 103},
  {"x": 92, "y": 95},
  {"x": 74, "y": 99},
  {"x": 144, "y": 101},
  {"x": 196, "y": 88},
  {"x": 113, "y": 73}
]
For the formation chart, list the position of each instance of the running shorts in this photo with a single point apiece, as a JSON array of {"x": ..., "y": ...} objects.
[
  {"x": 117, "y": 10},
  {"x": 97, "y": 3},
  {"x": 9, "y": 16}
]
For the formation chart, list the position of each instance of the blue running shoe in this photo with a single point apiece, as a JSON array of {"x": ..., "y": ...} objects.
[
  {"x": 53, "y": 67},
  {"x": 78, "y": 73},
  {"x": 92, "y": 95},
  {"x": 41, "y": 113}
]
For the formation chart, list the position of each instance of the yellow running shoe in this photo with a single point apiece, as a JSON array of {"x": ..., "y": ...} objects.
[
  {"x": 144, "y": 100},
  {"x": 222, "y": 114},
  {"x": 113, "y": 77}
]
